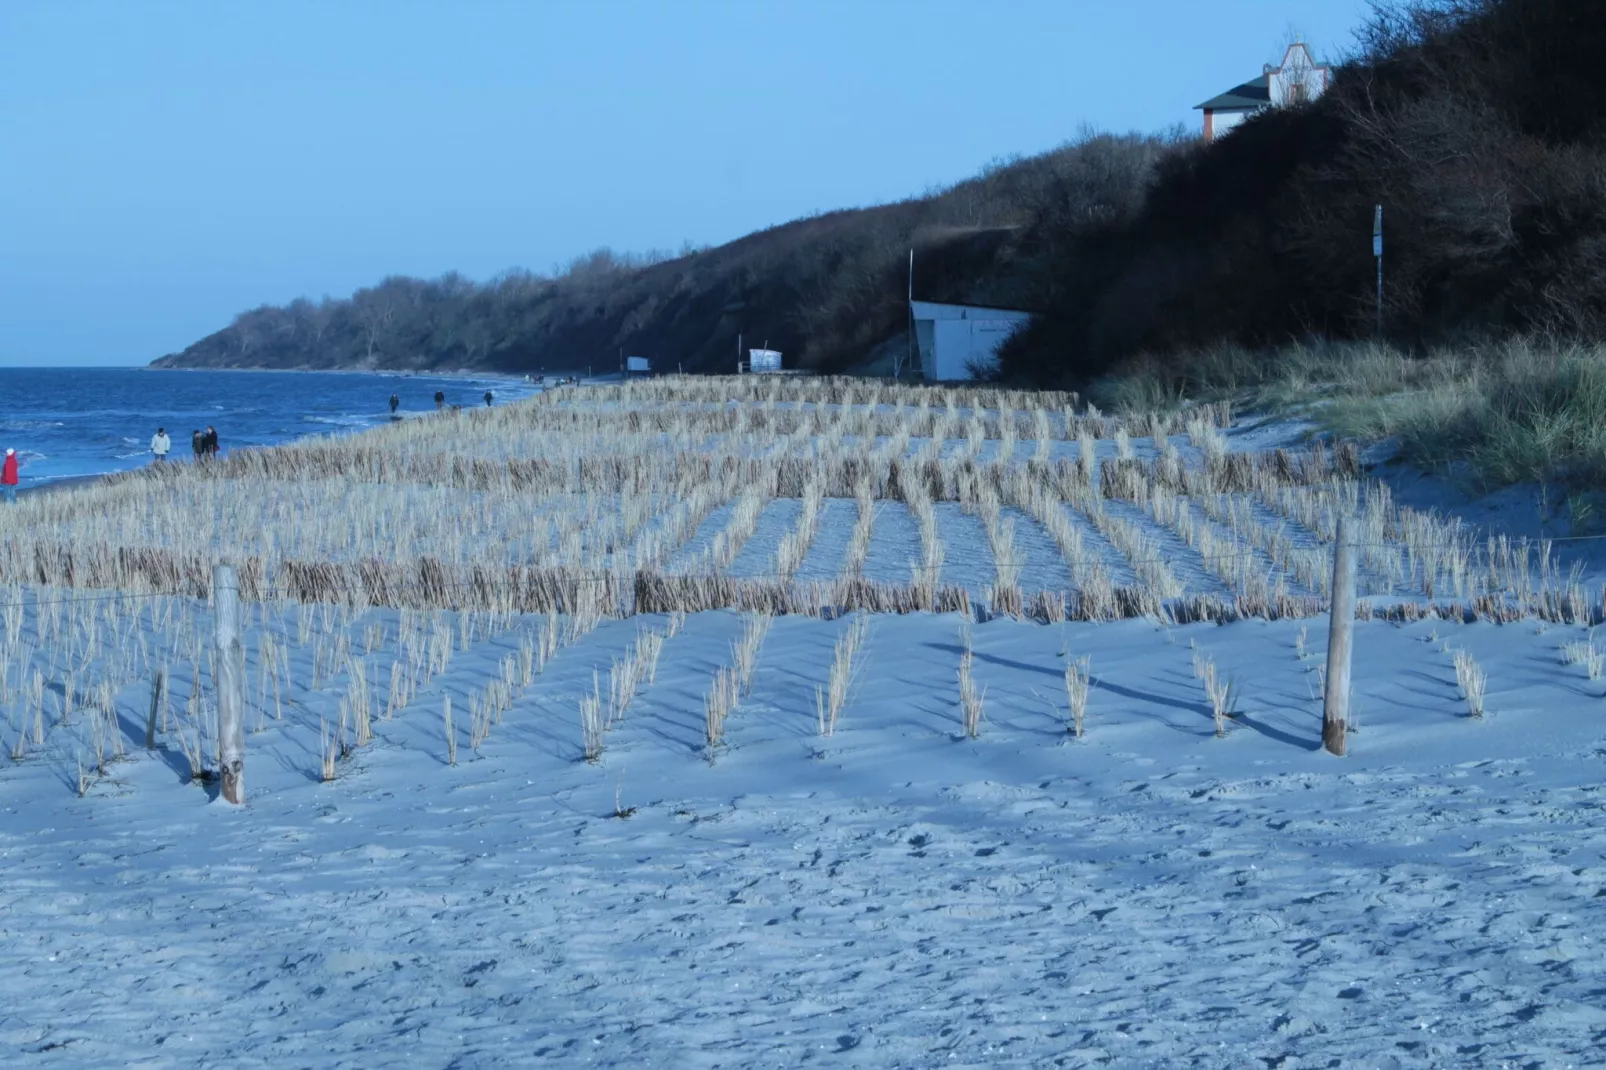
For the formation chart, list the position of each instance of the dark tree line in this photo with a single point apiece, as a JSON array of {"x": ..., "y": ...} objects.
[
  {"x": 1480, "y": 125},
  {"x": 826, "y": 290}
]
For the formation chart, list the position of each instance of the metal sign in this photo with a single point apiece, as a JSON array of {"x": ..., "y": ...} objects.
[
  {"x": 1377, "y": 252},
  {"x": 637, "y": 364}
]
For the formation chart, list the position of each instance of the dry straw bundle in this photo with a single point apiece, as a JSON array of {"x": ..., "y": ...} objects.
[{"x": 649, "y": 496}]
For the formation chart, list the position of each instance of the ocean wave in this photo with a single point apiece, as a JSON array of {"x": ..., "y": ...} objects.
[
  {"x": 339, "y": 421},
  {"x": 31, "y": 425},
  {"x": 66, "y": 477}
]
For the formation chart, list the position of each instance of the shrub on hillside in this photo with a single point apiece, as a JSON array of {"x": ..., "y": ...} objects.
[{"x": 1479, "y": 125}]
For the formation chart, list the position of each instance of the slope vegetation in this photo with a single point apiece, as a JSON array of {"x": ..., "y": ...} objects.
[
  {"x": 826, "y": 290},
  {"x": 1478, "y": 125}
]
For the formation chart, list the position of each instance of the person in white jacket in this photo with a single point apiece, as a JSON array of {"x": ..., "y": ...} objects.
[{"x": 160, "y": 444}]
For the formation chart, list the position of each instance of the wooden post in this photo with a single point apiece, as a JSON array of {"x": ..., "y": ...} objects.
[
  {"x": 1340, "y": 641},
  {"x": 230, "y": 662},
  {"x": 158, "y": 691}
]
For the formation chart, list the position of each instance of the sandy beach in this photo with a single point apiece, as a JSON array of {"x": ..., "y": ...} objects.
[{"x": 893, "y": 728}]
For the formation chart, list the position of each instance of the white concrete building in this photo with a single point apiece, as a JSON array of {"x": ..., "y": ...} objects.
[
  {"x": 760, "y": 361},
  {"x": 1298, "y": 79},
  {"x": 953, "y": 340}
]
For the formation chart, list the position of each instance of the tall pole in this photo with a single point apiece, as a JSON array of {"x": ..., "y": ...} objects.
[
  {"x": 1340, "y": 641},
  {"x": 1377, "y": 251},
  {"x": 912, "y": 342},
  {"x": 230, "y": 662}
]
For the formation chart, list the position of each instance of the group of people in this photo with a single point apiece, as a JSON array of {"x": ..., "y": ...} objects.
[
  {"x": 440, "y": 401},
  {"x": 204, "y": 443}
]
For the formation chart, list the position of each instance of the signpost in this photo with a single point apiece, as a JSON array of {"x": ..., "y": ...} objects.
[{"x": 1377, "y": 251}]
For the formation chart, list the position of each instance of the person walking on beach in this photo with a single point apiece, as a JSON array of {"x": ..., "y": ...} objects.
[
  {"x": 440, "y": 399},
  {"x": 209, "y": 441},
  {"x": 394, "y": 403},
  {"x": 488, "y": 396},
  {"x": 8, "y": 476},
  {"x": 160, "y": 444},
  {"x": 198, "y": 444}
]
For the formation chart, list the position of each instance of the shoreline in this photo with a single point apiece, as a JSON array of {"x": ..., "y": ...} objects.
[
  {"x": 391, "y": 373},
  {"x": 63, "y": 483},
  {"x": 382, "y": 372},
  {"x": 57, "y": 484}
]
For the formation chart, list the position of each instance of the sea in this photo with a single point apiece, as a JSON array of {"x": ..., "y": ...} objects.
[{"x": 69, "y": 423}]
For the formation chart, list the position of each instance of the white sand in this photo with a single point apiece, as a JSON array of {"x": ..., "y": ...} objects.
[{"x": 894, "y": 896}]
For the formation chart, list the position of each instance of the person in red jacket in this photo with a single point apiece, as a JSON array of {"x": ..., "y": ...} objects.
[{"x": 8, "y": 476}]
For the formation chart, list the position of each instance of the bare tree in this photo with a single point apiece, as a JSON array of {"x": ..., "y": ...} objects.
[
  {"x": 375, "y": 311},
  {"x": 307, "y": 323}
]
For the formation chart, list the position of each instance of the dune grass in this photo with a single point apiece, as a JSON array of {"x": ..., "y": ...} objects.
[
  {"x": 1524, "y": 410},
  {"x": 369, "y": 565},
  {"x": 600, "y": 503}
]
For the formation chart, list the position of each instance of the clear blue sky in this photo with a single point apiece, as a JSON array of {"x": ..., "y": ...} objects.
[{"x": 165, "y": 165}]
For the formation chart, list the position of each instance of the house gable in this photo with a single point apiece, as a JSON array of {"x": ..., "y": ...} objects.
[{"x": 1298, "y": 79}]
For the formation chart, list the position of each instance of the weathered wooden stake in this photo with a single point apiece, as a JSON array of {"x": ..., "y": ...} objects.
[
  {"x": 158, "y": 688},
  {"x": 229, "y": 665},
  {"x": 1340, "y": 641}
]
